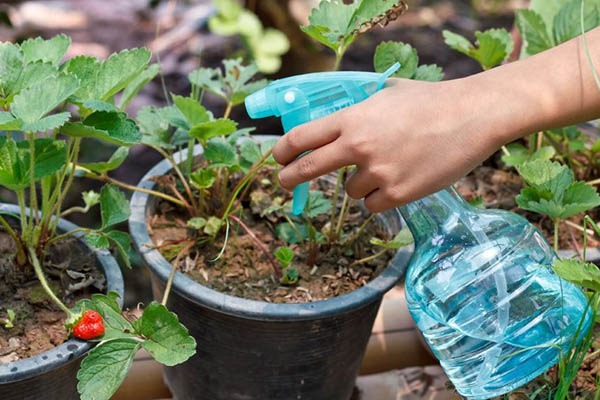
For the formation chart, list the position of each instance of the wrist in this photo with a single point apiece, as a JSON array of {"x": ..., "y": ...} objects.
[{"x": 505, "y": 105}]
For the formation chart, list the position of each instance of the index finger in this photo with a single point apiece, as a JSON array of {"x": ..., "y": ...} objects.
[{"x": 305, "y": 137}]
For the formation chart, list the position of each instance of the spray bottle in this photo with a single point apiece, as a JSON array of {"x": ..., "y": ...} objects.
[{"x": 480, "y": 284}]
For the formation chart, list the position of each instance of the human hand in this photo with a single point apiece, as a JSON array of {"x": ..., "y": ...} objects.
[{"x": 407, "y": 141}]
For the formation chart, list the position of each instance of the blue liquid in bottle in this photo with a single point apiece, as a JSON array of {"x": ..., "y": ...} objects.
[{"x": 481, "y": 289}]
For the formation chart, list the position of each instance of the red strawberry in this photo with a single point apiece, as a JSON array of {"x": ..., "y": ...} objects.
[{"x": 90, "y": 326}]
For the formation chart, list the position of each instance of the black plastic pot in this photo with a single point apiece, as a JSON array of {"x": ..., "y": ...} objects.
[
  {"x": 52, "y": 375},
  {"x": 252, "y": 350}
]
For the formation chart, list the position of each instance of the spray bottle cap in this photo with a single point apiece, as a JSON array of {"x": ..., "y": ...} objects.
[{"x": 257, "y": 105}]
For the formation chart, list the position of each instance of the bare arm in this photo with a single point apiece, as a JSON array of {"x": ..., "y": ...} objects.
[{"x": 414, "y": 138}]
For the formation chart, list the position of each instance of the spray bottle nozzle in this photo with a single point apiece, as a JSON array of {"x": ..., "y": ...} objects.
[{"x": 303, "y": 98}]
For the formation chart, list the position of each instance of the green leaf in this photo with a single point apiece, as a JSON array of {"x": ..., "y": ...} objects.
[
  {"x": 114, "y": 207},
  {"x": 329, "y": 23},
  {"x": 290, "y": 276},
  {"x": 111, "y": 127},
  {"x": 193, "y": 111},
  {"x": 402, "y": 239},
  {"x": 548, "y": 177},
  {"x": 553, "y": 192},
  {"x": 154, "y": 124},
  {"x": 336, "y": 24},
  {"x": 114, "y": 162},
  {"x": 196, "y": 223},
  {"x": 457, "y": 42},
  {"x": 30, "y": 74},
  {"x": 8, "y": 122},
  {"x": 50, "y": 156},
  {"x": 579, "y": 197},
  {"x": 234, "y": 86},
  {"x": 99, "y": 105},
  {"x": 586, "y": 275},
  {"x": 250, "y": 151},
  {"x": 477, "y": 202},
  {"x": 51, "y": 50},
  {"x": 11, "y": 63},
  {"x": 285, "y": 255},
  {"x": 567, "y": 23},
  {"x": 105, "y": 368},
  {"x": 34, "y": 102},
  {"x": 493, "y": 46},
  {"x": 103, "y": 79},
  {"x": 519, "y": 154},
  {"x": 429, "y": 73},
  {"x": 317, "y": 204},
  {"x": 286, "y": 232},
  {"x": 115, "y": 325},
  {"x": 209, "y": 129},
  {"x": 388, "y": 53},
  {"x": 134, "y": 87},
  {"x": 533, "y": 31},
  {"x": 167, "y": 340},
  {"x": 203, "y": 178},
  {"x": 97, "y": 240},
  {"x": 213, "y": 226},
  {"x": 218, "y": 151},
  {"x": 122, "y": 242}
]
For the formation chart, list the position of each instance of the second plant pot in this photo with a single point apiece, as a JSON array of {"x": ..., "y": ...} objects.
[
  {"x": 255, "y": 350},
  {"x": 52, "y": 375}
]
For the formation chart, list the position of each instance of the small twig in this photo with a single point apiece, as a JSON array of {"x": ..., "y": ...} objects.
[
  {"x": 578, "y": 227},
  {"x": 42, "y": 278},
  {"x": 169, "y": 243},
  {"x": 370, "y": 258},
  {"x": 575, "y": 244},
  {"x": 174, "y": 265},
  {"x": 359, "y": 231},
  {"x": 263, "y": 247}
]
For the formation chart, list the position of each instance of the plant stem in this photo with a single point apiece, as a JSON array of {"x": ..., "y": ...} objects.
[
  {"x": 72, "y": 210},
  {"x": 32, "y": 190},
  {"x": 179, "y": 174},
  {"x": 263, "y": 247},
  {"x": 108, "y": 179},
  {"x": 42, "y": 278},
  {"x": 343, "y": 211},
  {"x": 228, "y": 110},
  {"x": 65, "y": 235},
  {"x": 338, "y": 183},
  {"x": 253, "y": 169},
  {"x": 593, "y": 182},
  {"x": 23, "y": 219},
  {"x": 370, "y": 258},
  {"x": 190, "y": 156},
  {"x": 556, "y": 225},
  {"x": 183, "y": 251},
  {"x": 359, "y": 231},
  {"x": 21, "y": 256},
  {"x": 339, "y": 54}
]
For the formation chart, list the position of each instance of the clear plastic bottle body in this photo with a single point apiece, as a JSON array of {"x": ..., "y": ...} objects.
[{"x": 481, "y": 289}]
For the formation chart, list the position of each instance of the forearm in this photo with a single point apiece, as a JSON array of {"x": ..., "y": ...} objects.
[{"x": 552, "y": 89}]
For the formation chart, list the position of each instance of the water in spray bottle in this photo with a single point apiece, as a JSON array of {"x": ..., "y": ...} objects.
[{"x": 480, "y": 284}]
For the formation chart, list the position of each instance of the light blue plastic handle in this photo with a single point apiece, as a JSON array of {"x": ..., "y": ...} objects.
[{"x": 300, "y": 198}]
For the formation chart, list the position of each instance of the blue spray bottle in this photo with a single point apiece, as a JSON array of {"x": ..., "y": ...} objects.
[{"x": 480, "y": 285}]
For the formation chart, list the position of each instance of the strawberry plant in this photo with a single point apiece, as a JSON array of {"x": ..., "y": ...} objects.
[
  {"x": 264, "y": 45},
  {"x": 47, "y": 109},
  {"x": 233, "y": 190}
]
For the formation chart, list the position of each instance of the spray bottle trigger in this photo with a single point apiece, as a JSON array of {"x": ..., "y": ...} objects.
[{"x": 389, "y": 72}]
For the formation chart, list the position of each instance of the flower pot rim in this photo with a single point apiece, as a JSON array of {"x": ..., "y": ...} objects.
[
  {"x": 73, "y": 348},
  {"x": 238, "y": 306}
]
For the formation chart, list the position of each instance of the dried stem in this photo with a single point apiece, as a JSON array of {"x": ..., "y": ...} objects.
[{"x": 183, "y": 252}]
